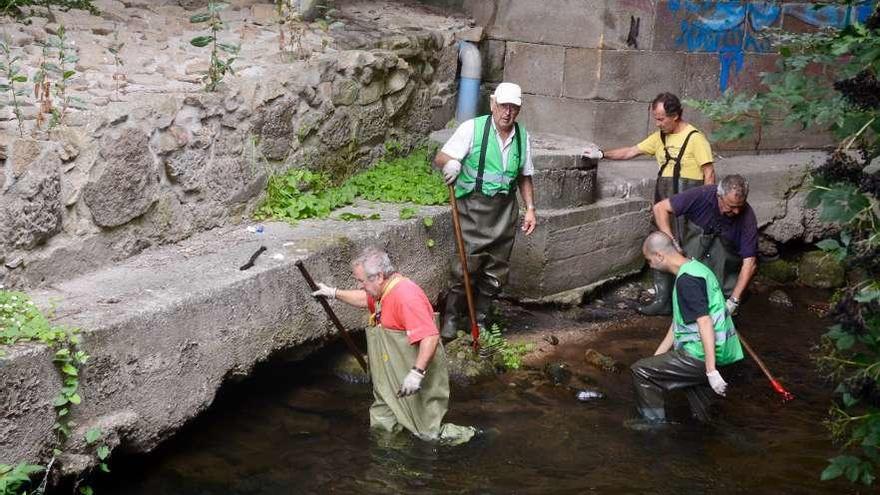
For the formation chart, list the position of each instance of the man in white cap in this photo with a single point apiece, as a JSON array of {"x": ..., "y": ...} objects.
[{"x": 486, "y": 159}]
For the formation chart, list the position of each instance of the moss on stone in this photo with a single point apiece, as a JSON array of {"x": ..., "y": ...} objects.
[{"x": 780, "y": 271}]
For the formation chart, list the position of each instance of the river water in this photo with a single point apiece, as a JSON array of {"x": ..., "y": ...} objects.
[{"x": 295, "y": 428}]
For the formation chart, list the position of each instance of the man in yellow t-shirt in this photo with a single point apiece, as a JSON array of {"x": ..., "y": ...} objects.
[{"x": 685, "y": 161}]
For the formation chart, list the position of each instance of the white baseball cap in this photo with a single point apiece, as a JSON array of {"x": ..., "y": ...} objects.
[{"x": 508, "y": 93}]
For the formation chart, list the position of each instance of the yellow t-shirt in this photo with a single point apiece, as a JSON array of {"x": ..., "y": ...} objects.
[{"x": 697, "y": 153}]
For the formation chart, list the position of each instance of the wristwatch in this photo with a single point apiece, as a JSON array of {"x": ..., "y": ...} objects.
[{"x": 418, "y": 370}]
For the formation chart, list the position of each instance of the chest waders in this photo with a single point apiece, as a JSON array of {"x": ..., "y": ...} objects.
[
  {"x": 664, "y": 188},
  {"x": 391, "y": 358},
  {"x": 684, "y": 367},
  {"x": 717, "y": 252},
  {"x": 487, "y": 205}
]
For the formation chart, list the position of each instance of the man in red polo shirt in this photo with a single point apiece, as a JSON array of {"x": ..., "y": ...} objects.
[{"x": 408, "y": 364}]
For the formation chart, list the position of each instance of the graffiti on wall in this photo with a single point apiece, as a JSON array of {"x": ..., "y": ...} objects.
[{"x": 733, "y": 29}]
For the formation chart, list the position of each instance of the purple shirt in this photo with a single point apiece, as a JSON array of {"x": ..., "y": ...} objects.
[{"x": 700, "y": 206}]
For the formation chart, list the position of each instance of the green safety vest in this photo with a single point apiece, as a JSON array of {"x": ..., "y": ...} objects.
[
  {"x": 687, "y": 336},
  {"x": 482, "y": 168}
]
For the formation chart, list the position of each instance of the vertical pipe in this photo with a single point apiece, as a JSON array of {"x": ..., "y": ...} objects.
[{"x": 469, "y": 83}]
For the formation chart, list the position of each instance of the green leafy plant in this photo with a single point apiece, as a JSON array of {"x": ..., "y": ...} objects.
[
  {"x": 56, "y": 103},
  {"x": 504, "y": 353},
  {"x": 218, "y": 67},
  {"x": 829, "y": 80},
  {"x": 290, "y": 30},
  {"x": 14, "y": 7},
  {"x": 22, "y": 321},
  {"x": 15, "y": 480},
  {"x": 301, "y": 194},
  {"x": 348, "y": 216},
  {"x": 9, "y": 70}
]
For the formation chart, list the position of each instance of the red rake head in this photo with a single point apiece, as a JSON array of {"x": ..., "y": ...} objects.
[{"x": 786, "y": 395}]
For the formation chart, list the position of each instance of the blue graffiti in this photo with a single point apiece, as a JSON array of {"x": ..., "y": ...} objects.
[{"x": 733, "y": 28}]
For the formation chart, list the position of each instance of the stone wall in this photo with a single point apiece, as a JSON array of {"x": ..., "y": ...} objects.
[
  {"x": 158, "y": 158},
  {"x": 591, "y": 67}
]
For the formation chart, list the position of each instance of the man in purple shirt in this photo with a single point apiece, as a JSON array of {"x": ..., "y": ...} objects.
[{"x": 722, "y": 232}]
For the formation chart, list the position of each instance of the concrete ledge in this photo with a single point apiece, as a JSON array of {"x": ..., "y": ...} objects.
[
  {"x": 579, "y": 248},
  {"x": 166, "y": 328}
]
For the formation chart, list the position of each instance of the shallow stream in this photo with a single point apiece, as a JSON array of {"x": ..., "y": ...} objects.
[{"x": 299, "y": 429}]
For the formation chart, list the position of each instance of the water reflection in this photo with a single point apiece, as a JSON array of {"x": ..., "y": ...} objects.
[{"x": 296, "y": 429}]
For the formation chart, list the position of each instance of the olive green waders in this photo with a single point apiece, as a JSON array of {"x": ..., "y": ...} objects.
[
  {"x": 663, "y": 281},
  {"x": 488, "y": 226},
  {"x": 676, "y": 369},
  {"x": 716, "y": 252},
  {"x": 391, "y": 358}
]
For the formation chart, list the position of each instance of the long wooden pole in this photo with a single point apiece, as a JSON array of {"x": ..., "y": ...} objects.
[
  {"x": 323, "y": 300},
  {"x": 462, "y": 257}
]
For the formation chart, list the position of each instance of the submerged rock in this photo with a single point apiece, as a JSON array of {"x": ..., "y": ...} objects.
[
  {"x": 820, "y": 270},
  {"x": 464, "y": 364},
  {"x": 601, "y": 361},
  {"x": 780, "y": 271},
  {"x": 559, "y": 373},
  {"x": 780, "y": 298},
  {"x": 347, "y": 368}
]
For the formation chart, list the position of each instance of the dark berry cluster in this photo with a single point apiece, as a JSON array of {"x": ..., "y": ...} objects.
[
  {"x": 840, "y": 167},
  {"x": 870, "y": 184},
  {"x": 873, "y": 22},
  {"x": 862, "y": 90}
]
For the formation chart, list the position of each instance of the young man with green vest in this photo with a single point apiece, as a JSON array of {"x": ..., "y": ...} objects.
[
  {"x": 487, "y": 159},
  {"x": 701, "y": 337},
  {"x": 684, "y": 160}
]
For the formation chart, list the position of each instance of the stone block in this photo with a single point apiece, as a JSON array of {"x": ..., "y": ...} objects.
[
  {"x": 579, "y": 248},
  {"x": 667, "y": 27},
  {"x": 748, "y": 79},
  {"x": 577, "y": 23},
  {"x": 639, "y": 75},
  {"x": 564, "y": 116},
  {"x": 124, "y": 183},
  {"x": 564, "y": 188},
  {"x": 628, "y": 24},
  {"x": 492, "y": 56},
  {"x": 618, "y": 124},
  {"x": 702, "y": 80},
  {"x": 582, "y": 72},
  {"x": 538, "y": 69}
]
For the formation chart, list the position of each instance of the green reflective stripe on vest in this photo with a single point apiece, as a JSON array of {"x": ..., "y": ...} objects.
[
  {"x": 687, "y": 336},
  {"x": 495, "y": 178}
]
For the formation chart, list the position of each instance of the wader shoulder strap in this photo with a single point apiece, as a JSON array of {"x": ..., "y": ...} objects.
[
  {"x": 478, "y": 186},
  {"x": 676, "y": 168}
]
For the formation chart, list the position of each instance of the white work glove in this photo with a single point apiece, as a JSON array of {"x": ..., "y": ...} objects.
[
  {"x": 326, "y": 291},
  {"x": 717, "y": 383},
  {"x": 592, "y": 151},
  {"x": 451, "y": 171},
  {"x": 731, "y": 306},
  {"x": 411, "y": 384}
]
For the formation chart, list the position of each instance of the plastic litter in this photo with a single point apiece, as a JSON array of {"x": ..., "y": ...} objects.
[
  {"x": 255, "y": 229},
  {"x": 587, "y": 395}
]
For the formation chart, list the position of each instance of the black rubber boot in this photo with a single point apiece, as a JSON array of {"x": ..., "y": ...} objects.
[
  {"x": 451, "y": 326},
  {"x": 662, "y": 304}
]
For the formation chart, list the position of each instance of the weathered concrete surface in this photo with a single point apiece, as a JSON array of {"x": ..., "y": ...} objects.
[
  {"x": 166, "y": 328},
  {"x": 153, "y": 158},
  {"x": 579, "y": 249},
  {"x": 773, "y": 178}
]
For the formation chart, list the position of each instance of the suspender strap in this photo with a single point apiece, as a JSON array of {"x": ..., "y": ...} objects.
[
  {"x": 478, "y": 186},
  {"x": 676, "y": 168}
]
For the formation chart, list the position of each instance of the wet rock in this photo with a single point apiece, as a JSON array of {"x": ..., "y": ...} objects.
[
  {"x": 559, "y": 373},
  {"x": 551, "y": 339},
  {"x": 779, "y": 271},
  {"x": 601, "y": 361},
  {"x": 820, "y": 270},
  {"x": 780, "y": 298},
  {"x": 466, "y": 366},
  {"x": 347, "y": 368},
  {"x": 593, "y": 313}
]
